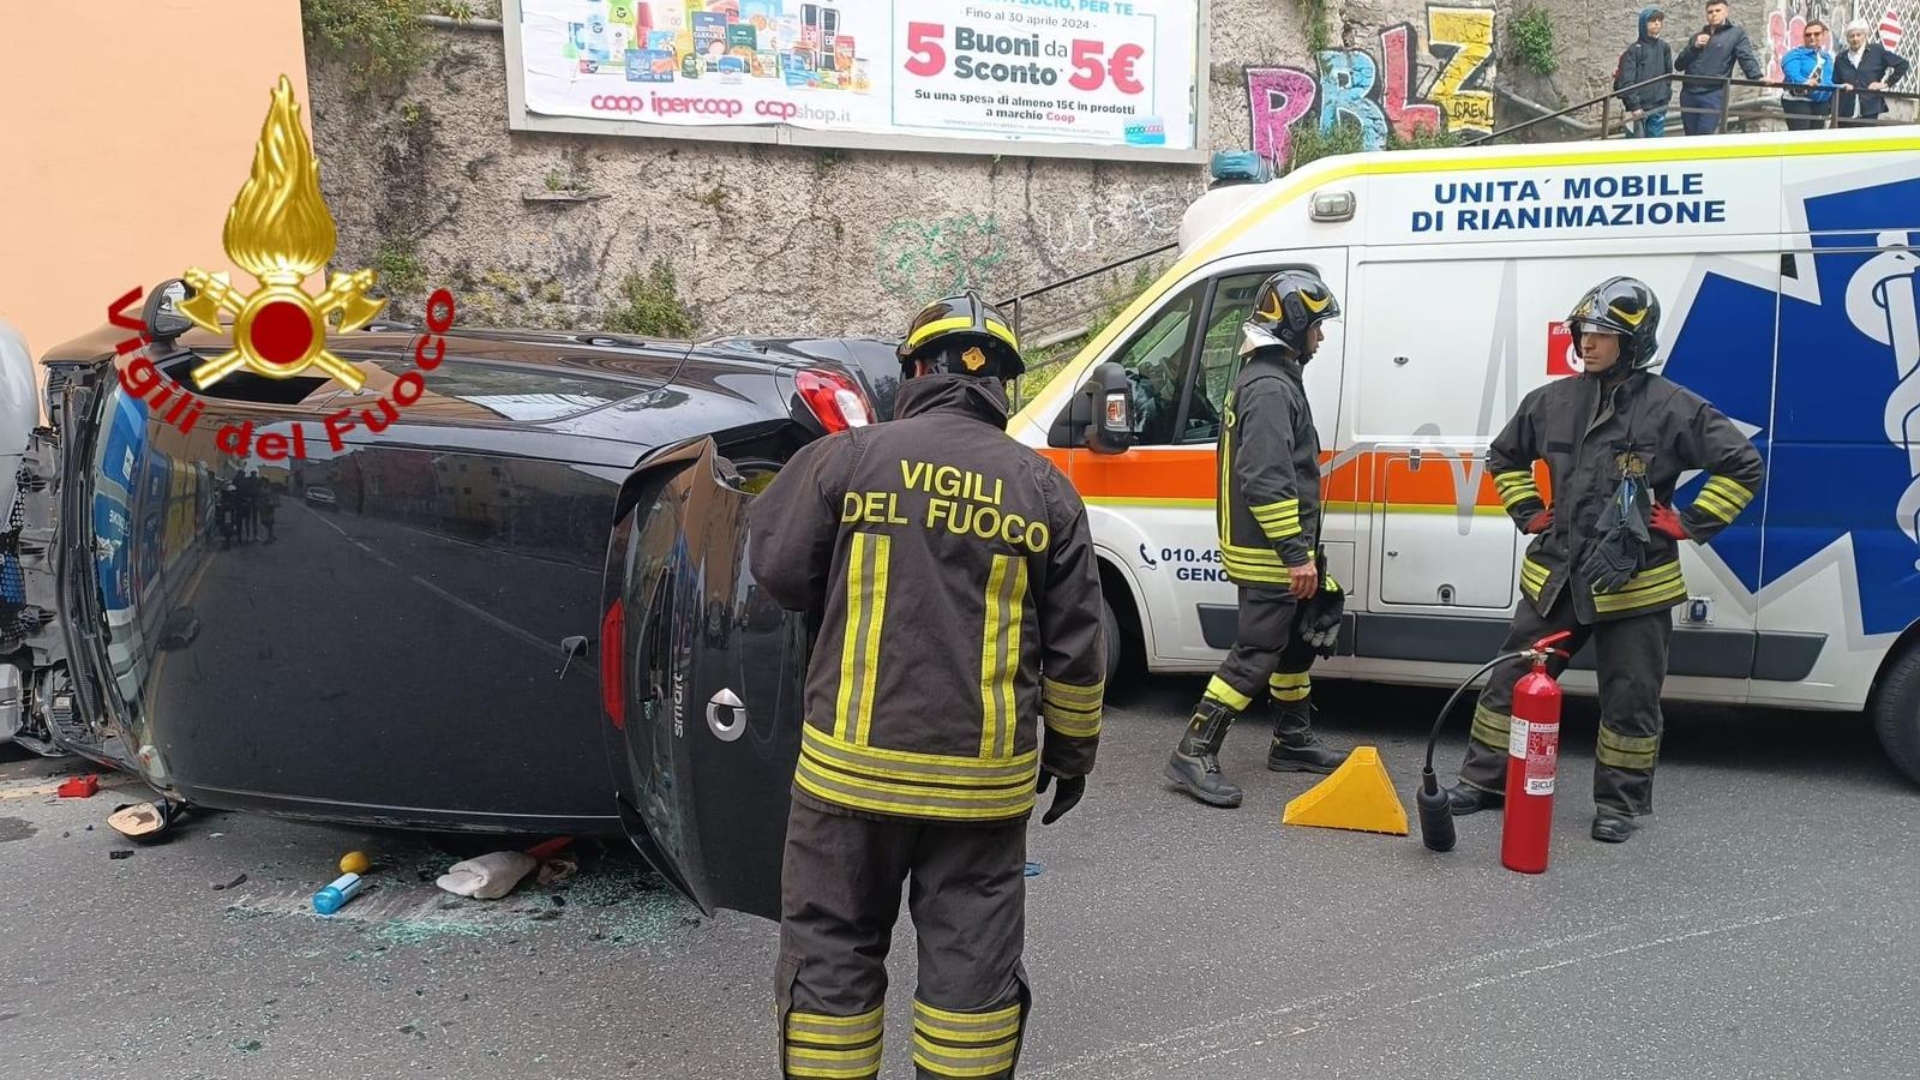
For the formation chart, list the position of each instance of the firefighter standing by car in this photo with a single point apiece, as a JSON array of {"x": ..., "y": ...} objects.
[
  {"x": 1269, "y": 525},
  {"x": 1605, "y": 559},
  {"x": 959, "y": 597}
]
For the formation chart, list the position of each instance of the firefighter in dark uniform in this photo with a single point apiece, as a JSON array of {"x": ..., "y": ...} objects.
[
  {"x": 1605, "y": 559},
  {"x": 1269, "y": 525},
  {"x": 958, "y": 672}
]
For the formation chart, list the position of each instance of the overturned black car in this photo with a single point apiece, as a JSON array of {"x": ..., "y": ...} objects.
[{"x": 494, "y": 608}]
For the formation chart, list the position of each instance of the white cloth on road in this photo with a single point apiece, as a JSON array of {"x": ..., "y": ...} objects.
[{"x": 488, "y": 877}]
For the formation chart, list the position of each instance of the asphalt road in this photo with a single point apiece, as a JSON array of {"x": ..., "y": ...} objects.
[{"x": 1764, "y": 924}]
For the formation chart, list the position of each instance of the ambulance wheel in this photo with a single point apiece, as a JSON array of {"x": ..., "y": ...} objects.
[
  {"x": 1116, "y": 642},
  {"x": 1895, "y": 709}
]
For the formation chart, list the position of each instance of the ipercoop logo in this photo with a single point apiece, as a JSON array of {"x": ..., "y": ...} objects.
[
  {"x": 280, "y": 231},
  {"x": 720, "y": 108}
]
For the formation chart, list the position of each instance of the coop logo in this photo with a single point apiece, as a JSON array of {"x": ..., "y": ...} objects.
[{"x": 280, "y": 230}]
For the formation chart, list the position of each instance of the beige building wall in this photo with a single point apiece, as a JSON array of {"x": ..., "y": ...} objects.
[{"x": 126, "y": 131}]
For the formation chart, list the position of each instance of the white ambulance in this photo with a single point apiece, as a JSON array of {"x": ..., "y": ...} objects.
[{"x": 1787, "y": 266}]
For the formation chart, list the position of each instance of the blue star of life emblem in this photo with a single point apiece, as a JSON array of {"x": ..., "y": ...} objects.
[{"x": 1839, "y": 425}]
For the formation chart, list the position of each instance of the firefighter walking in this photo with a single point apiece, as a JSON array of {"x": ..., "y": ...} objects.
[
  {"x": 959, "y": 597},
  {"x": 1605, "y": 559},
  {"x": 1269, "y": 526}
]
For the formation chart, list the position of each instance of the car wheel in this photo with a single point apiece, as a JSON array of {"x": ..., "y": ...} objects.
[
  {"x": 1895, "y": 710},
  {"x": 1115, "y": 640}
]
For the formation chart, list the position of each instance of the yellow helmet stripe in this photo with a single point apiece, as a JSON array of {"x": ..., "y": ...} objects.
[
  {"x": 1307, "y": 299},
  {"x": 1631, "y": 318},
  {"x": 941, "y": 326}
]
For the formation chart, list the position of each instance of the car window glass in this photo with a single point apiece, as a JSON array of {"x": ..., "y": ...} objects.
[
  {"x": 1157, "y": 361},
  {"x": 532, "y": 395},
  {"x": 1220, "y": 353}
]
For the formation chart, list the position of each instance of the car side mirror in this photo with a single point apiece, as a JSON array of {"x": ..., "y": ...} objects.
[
  {"x": 1098, "y": 415},
  {"x": 162, "y": 311}
]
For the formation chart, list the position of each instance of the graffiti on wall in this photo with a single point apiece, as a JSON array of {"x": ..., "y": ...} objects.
[
  {"x": 1116, "y": 222},
  {"x": 1784, "y": 33},
  {"x": 923, "y": 259},
  {"x": 1396, "y": 87}
]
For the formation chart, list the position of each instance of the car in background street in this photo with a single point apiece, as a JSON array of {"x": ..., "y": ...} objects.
[{"x": 322, "y": 498}]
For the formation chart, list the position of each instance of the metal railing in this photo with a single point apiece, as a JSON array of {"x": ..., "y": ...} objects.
[
  {"x": 1063, "y": 311},
  {"x": 1731, "y": 115}
]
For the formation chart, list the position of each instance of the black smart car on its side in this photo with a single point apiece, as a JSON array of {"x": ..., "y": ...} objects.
[{"x": 500, "y": 609}]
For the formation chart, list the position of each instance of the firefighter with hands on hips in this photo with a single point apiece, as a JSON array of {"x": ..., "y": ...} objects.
[
  {"x": 1605, "y": 559},
  {"x": 1268, "y": 519},
  {"x": 959, "y": 671}
]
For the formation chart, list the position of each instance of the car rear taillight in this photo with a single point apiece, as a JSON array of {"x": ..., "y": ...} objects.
[
  {"x": 835, "y": 399},
  {"x": 613, "y": 664}
]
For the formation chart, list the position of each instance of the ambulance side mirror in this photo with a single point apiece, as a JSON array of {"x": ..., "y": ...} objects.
[{"x": 1098, "y": 415}]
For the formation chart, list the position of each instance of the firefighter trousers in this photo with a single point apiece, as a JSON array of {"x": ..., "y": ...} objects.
[
  {"x": 840, "y": 895},
  {"x": 1266, "y": 655},
  {"x": 1631, "y": 658}
]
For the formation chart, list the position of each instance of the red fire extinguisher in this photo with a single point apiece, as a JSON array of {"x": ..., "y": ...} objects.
[{"x": 1533, "y": 750}]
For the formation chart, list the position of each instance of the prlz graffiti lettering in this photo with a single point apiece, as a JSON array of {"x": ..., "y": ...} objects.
[
  {"x": 1463, "y": 39},
  {"x": 1278, "y": 96},
  {"x": 1379, "y": 90}
]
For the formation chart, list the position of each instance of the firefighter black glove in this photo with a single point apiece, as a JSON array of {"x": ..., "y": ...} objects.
[
  {"x": 1617, "y": 554},
  {"x": 1319, "y": 619},
  {"x": 1065, "y": 797}
]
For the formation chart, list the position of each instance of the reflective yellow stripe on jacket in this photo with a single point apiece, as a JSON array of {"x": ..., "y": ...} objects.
[
  {"x": 1533, "y": 578},
  {"x": 1073, "y": 711},
  {"x": 1278, "y": 520},
  {"x": 1515, "y": 488},
  {"x": 1006, "y": 600},
  {"x": 1723, "y": 498},
  {"x": 860, "y": 653},
  {"x": 1661, "y": 586},
  {"x": 901, "y": 782}
]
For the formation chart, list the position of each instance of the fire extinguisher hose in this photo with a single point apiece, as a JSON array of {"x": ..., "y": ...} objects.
[
  {"x": 1440, "y": 721},
  {"x": 1436, "y": 813}
]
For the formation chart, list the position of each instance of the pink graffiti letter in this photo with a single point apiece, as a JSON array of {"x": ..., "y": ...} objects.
[
  {"x": 1408, "y": 115},
  {"x": 1278, "y": 97},
  {"x": 1783, "y": 36}
]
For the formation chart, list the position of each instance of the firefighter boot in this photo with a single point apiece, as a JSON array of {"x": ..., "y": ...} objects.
[
  {"x": 1295, "y": 747},
  {"x": 1195, "y": 764}
]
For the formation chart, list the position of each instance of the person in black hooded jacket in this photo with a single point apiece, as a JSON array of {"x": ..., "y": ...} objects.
[{"x": 1647, "y": 58}]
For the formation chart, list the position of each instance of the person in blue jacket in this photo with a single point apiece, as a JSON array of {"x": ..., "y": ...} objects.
[{"x": 1808, "y": 65}]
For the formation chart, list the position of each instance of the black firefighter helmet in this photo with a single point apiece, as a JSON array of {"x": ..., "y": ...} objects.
[
  {"x": 965, "y": 335},
  {"x": 1288, "y": 305},
  {"x": 1624, "y": 306}
]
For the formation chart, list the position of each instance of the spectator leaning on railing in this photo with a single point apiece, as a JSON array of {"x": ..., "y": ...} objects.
[
  {"x": 1808, "y": 65},
  {"x": 1709, "y": 56},
  {"x": 1647, "y": 58},
  {"x": 1866, "y": 66}
]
